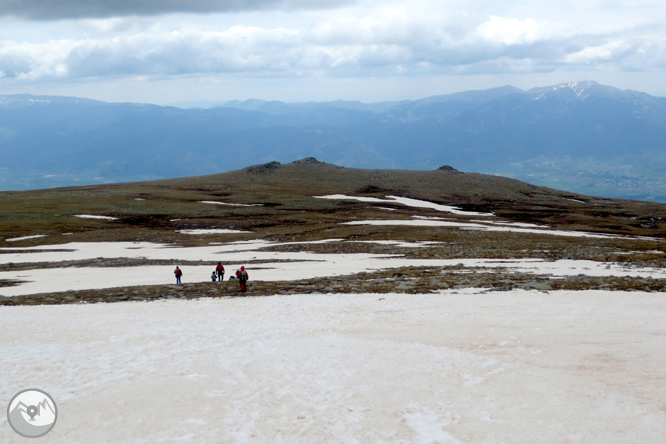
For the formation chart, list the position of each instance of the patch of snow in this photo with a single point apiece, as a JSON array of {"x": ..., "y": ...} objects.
[
  {"x": 92, "y": 250},
  {"x": 16, "y": 239},
  {"x": 214, "y": 202},
  {"x": 90, "y": 216},
  {"x": 399, "y": 243},
  {"x": 415, "y": 203},
  {"x": 511, "y": 224},
  {"x": 358, "y": 198},
  {"x": 212, "y": 231},
  {"x": 322, "y": 241},
  {"x": 445, "y": 208},
  {"x": 639, "y": 252},
  {"x": 515, "y": 228}
]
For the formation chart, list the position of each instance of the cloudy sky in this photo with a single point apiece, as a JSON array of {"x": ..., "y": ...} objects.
[{"x": 173, "y": 51}]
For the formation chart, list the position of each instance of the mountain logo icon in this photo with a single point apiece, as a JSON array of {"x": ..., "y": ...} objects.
[{"x": 32, "y": 413}]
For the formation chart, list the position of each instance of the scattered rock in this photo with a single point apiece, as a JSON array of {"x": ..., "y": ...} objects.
[
  {"x": 265, "y": 168},
  {"x": 535, "y": 285},
  {"x": 308, "y": 161},
  {"x": 405, "y": 286},
  {"x": 651, "y": 222}
]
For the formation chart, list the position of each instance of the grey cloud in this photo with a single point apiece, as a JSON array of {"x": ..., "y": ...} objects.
[
  {"x": 79, "y": 9},
  {"x": 295, "y": 52},
  {"x": 181, "y": 54},
  {"x": 13, "y": 65}
]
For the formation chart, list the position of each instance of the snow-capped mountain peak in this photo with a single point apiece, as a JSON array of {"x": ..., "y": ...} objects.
[
  {"x": 576, "y": 90},
  {"x": 582, "y": 88}
]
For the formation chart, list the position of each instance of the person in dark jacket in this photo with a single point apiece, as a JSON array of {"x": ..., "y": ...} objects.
[
  {"x": 242, "y": 277},
  {"x": 219, "y": 270},
  {"x": 178, "y": 273}
]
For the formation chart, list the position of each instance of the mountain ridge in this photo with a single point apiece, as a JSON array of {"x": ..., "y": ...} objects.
[{"x": 586, "y": 137}]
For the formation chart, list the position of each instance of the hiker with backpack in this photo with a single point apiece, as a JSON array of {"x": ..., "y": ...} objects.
[
  {"x": 178, "y": 273},
  {"x": 219, "y": 270},
  {"x": 242, "y": 277}
]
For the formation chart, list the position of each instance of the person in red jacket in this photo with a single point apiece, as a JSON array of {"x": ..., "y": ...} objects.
[
  {"x": 242, "y": 277},
  {"x": 219, "y": 270}
]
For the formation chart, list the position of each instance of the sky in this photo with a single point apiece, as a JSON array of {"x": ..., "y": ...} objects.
[{"x": 184, "y": 51}]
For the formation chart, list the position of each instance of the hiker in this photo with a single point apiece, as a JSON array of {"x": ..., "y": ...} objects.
[
  {"x": 220, "y": 271},
  {"x": 178, "y": 274},
  {"x": 213, "y": 276},
  {"x": 242, "y": 277}
]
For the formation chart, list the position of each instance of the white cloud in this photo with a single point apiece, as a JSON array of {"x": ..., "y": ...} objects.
[
  {"x": 354, "y": 40},
  {"x": 509, "y": 31},
  {"x": 594, "y": 54},
  {"x": 359, "y": 43}
]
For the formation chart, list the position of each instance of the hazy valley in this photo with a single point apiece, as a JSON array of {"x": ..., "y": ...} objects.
[{"x": 582, "y": 137}]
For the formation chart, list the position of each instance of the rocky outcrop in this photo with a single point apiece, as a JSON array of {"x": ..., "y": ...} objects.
[
  {"x": 265, "y": 168},
  {"x": 309, "y": 161}
]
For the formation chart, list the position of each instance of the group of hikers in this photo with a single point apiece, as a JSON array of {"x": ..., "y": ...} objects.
[{"x": 218, "y": 275}]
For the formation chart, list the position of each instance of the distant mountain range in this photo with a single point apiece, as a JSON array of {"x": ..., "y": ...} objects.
[{"x": 582, "y": 137}]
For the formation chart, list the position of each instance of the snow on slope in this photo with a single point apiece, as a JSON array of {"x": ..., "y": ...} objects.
[
  {"x": 300, "y": 265},
  {"x": 415, "y": 203},
  {"x": 455, "y": 367}
]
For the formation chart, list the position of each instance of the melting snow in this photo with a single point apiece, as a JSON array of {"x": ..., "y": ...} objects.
[
  {"x": 491, "y": 226},
  {"x": 90, "y": 216},
  {"x": 274, "y": 266},
  {"x": 415, "y": 203},
  {"x": 459, "y": 366},
  {"x": 213, "y": 202},
  {"x": 399, "y": 243},
  {"x": 16, "y": 239},
  {"x": 212, "y": 231}
]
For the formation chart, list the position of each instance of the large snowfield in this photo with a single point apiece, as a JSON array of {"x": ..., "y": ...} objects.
[{"x": 457, "y": 366}]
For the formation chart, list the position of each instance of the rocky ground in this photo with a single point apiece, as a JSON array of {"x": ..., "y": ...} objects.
[{"x": 411, "y": 280}]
